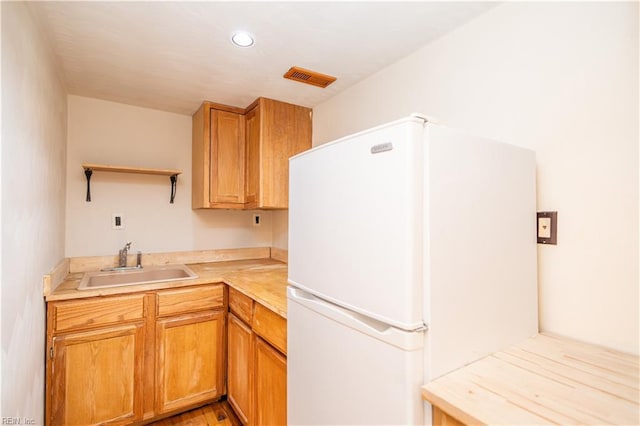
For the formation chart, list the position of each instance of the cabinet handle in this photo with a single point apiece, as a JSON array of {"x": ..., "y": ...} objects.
[{"x": 51, "y": 352}]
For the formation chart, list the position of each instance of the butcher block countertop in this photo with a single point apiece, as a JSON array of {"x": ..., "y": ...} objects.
[
  {"x": 264, "y": 280},
  {"x": 543, "y": 380},
  {"x": 269, "y": 288}
]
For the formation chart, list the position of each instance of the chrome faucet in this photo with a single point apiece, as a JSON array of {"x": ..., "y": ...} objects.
[
  {"x": 122, "y": 255},
  {"x": 122, "y": 260}
]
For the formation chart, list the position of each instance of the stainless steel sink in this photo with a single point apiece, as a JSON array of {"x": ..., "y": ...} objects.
[{"x": 146, "y": 275}]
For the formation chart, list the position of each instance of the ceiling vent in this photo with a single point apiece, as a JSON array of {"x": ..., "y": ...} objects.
[{"x": 309, "y": 77}]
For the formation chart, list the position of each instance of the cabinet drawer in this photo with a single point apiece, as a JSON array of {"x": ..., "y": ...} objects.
[
  {"x": 271, "y": 326},
  {"x": 86, "y": 313},
  {"x": 192, "y": 299},
  {"x": 240, "y": 305}
]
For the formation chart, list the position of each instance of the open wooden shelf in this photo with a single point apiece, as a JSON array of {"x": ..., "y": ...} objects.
[
  {"x": 89, "y": 168},
  {"x": 127, "y": 169}
]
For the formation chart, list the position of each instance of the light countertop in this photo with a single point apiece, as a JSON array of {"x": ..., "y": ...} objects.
[
  {"x": 269, "y": 288},
  {"x": 544, "y": 380},
  {"x": 264, "y": 280}
]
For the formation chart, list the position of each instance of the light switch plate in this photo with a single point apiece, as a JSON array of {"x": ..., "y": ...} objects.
[{"x": 547, "y": 228}]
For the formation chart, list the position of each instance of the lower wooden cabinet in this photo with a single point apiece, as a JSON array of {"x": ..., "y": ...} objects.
[
  {"x": 189, "y": 368},
  {"x": 240, "y": 368},
  {"x": 97, "y": 376},
  {"x": 257, "y": 370},
  {"x": 270, "y": 385},
  {"x": 130, "y": 358},
  {"x": 440, "y": 418}
]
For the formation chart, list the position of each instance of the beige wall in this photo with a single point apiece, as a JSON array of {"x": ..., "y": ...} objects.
[
  {"x": 281, "y": 229},
  {"x": 561, "y": 79},
  {"x": 111, "y": 133},
  {"x": 33, "y": 192}
]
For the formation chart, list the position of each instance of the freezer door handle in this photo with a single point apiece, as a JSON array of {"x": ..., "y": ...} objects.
[{"x": 406, "y": 340}]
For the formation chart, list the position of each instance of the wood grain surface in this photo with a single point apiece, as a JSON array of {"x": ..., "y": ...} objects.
[
  {"x": 544, "y": 380},
  {"x": 209, "y": 272},
  {"x": 128, "y": 169},
  {"x": 268, "y": 287},
  {"x": 216, "y": 414},
  {"x": 94, "y": 263}
]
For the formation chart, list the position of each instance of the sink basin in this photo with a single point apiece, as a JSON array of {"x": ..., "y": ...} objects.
[{"x": 146, "y": 275}]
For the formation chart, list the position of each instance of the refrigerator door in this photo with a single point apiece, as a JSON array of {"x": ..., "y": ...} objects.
[
  {"x": 343, "y": 369},
  {"x": 355, "y": 222}
]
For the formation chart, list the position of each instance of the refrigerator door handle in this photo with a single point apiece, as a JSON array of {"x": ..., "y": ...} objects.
[{"x": 406, "y": 340}]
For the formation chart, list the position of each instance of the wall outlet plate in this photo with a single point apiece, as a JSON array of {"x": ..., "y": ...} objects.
[
  {"x": 547, "y": 224},
  {"x": 257, "y": 220},
  {"x": 117, "y": 221}
]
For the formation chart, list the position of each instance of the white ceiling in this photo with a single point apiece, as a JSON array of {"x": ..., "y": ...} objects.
[{"x": 173, "y": 55}]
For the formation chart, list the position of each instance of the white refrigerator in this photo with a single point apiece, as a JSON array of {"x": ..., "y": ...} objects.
[{"x": 412, "y": 252}]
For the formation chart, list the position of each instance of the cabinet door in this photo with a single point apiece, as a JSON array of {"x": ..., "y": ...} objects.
[
  {"x": 252, "y": 176},
  {"x": 285, "y": 130},
  {"x": 97, "y": 376},
  {"x": 227, "y": 158},
  {"x": 239, "y": 368},
  {"x": 190, "y": 360},
  {"x": 270, "y": 377}
]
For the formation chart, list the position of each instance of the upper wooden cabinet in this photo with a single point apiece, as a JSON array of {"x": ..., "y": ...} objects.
[
  {"x": 241, "y": 157},
  {"x": 218, "y": 157},
  {"x": 276, "y": 131}
]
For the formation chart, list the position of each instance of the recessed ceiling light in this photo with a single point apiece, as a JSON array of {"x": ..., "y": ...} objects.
[{"x": 242, "y": 39}]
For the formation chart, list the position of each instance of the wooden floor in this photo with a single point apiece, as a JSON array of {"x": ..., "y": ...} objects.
[{"x": 216, "y": 414}]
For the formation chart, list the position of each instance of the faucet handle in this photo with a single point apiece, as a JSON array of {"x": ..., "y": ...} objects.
[{"x": 122, "y": 255}]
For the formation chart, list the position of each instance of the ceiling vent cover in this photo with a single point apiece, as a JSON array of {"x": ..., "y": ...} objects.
[{"x": 309, "y": 77}]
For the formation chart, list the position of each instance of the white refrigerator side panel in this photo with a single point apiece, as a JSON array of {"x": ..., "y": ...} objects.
[
  {"x": 355, "y": 221},
  {"x": 481, "y": 288},
  {"x": 337, "y": 375}
]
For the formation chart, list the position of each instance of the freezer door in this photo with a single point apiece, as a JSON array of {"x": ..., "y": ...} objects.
[
  {"x": 343, "y": 371},
  {"x": 355, "y": 222}
]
